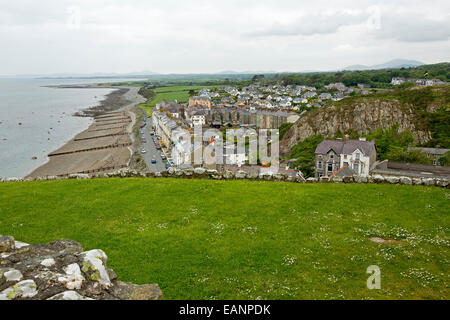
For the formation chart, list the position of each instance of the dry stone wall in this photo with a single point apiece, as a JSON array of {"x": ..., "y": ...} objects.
[
  {"x": 201, "y": 173},
  {"x": 61, "y": 270}
]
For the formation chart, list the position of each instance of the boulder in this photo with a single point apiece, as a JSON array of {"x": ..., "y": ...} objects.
[
  {"x": 378, "y": 179},
  {"x": 199, "y": 171},
  {"x": 94, "y": 265},
  {"x": 392, "y": 180},
  {"x": 241, "y": 174},
  {"x": 405, "y": 181}
]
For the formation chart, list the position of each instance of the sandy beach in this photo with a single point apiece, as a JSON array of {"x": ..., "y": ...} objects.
[{"x": 106, "y": 145}]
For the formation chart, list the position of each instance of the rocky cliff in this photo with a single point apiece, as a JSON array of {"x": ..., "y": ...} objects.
[
  {"x": 61, "y": 270},
  {"x": 360, "y": 115}
]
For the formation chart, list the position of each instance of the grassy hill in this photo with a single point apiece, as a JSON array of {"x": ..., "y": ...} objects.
[
  {"x": 179, "y": 93},
  {"x": 202, "y": 239}
]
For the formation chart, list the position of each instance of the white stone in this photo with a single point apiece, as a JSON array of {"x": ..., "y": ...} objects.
[
  {"x": 241, "y": 174},
  {"x": 23, "y": 289},
  {"x": 406, "y": 180},
  {"x": 20, "y": 244},
  {"x": 199, "y": 170},
  {"x": 74, "y": 278},
  {"x": 48, "y": 262},
  {"x": 429, "y": 181},
  {"x": 13, "y": 275},
  {"x": 69, "y": 295},
  {"x": 392, "y": 180},
  {"x": 97, "y": 260}
]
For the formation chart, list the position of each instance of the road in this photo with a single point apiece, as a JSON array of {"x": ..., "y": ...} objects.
[{"x": 151, "y": 152}]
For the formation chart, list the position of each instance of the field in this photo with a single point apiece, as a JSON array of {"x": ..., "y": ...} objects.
[
  {"x": 171, "y": 93},
  {"x": 202, "y": 239}
]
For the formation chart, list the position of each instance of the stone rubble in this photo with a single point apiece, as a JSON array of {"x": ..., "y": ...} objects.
[{"x": 61, "y": 270}]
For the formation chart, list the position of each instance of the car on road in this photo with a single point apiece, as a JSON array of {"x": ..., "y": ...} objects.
[
  {"x": 143, "y": 151},
  {"x": 152, "y": 133},
  {"x": 144, "y": 141},
  {"x": 153, "y": 161}
]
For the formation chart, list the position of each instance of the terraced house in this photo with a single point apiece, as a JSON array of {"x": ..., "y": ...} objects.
[{"x": 345, "y": 158}]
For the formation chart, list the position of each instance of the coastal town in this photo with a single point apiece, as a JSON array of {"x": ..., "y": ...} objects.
[
  {"x": 269, "y": 107},
  {"x": 224, "y": 156}
]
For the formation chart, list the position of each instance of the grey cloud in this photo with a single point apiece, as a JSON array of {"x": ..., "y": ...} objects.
[
  {"x": 413, "y": 28},
  {"x": 311, "y": 24}
]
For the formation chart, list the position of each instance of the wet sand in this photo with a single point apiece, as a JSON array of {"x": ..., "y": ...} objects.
[{"x": 105, "y": 146}]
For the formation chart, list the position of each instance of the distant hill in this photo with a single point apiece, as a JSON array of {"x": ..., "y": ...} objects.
[{"x": 393, "y": 64}]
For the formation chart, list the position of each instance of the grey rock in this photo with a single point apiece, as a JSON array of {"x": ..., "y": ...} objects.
[
  {"x": 129, "y": 291},
  {"x": 405, "y": 181},
  {"x": 6, "y": 243},
  {"x": 392, "y": 180},
  {"x": 69, "y": 295},
  {"x": 199, "y": 171}
]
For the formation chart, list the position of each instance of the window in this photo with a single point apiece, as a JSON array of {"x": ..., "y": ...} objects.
[
  {"x": 345, "y": 156},
  {"x": 319, "y": 165},
  {"x": 331, "y": 156},
  {"x": 356, "y": 167},
  {"x": 330, "y": 167},
  {"x": 358, "y": 155}
]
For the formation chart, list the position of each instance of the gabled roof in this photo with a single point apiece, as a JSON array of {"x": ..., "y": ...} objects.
[{"x": 346, "y": 147}]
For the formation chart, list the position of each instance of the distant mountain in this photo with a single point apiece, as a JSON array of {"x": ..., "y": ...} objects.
[
  {"x": 245, "y": 72},
  {"x": 393, "y": 64}
]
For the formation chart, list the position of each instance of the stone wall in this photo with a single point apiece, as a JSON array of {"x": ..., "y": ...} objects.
[
  {"x": 201, "y": 173},
  {"x": 61, "y": 270}
]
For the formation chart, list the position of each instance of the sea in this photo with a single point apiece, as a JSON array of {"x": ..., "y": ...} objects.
[{"x": 36, "y": 120}]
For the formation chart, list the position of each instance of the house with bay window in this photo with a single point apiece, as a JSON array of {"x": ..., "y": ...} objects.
[{"x": 345, "y": 157}]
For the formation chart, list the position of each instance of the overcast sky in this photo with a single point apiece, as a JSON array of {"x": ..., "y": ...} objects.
[{"x": 201, "y": 36}]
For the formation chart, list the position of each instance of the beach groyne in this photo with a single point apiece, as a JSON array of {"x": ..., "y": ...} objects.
[{"x": 93, "y": 150}]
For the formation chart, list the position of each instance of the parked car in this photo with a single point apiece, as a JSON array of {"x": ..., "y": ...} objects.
[
  {"x": 158, "y": 148},
  {"x": 163, "y": 156},
  {"x": 143, "y": 151},
  {"x": 167, "y": 165}
]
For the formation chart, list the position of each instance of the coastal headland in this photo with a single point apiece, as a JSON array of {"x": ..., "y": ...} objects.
[{"x": 106, "y": 145}]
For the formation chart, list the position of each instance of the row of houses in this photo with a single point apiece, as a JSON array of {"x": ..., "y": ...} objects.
[{"x": 418, "y": 82}]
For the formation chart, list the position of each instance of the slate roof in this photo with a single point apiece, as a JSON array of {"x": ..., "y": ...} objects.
[{"x": 346, "y": 147}]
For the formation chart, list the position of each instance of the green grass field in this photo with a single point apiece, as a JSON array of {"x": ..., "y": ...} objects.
[
  {"x": 171, "y": 93},
  {"x": 202, "y": 239}
]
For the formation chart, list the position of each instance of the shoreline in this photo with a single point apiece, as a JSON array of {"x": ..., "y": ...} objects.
[{"x": 99, "y": 148}]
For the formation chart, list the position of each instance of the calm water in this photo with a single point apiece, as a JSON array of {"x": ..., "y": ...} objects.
[{"x": 46, "y": 120}]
